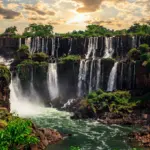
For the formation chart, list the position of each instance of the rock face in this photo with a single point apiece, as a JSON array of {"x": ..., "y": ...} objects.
[
  {"x": 46, "y": 137},
  {"x": 130, "y": 76}
]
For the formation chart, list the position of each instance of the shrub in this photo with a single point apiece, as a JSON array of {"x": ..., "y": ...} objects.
[
  {"x": 145, "y": 57},
  {"x": 144, "y": 48},
  {"x": 23, "y": 52},
  {"x": 5, "y": 74},
  {"x": 69, "y": 58},
  {"x": 40, "y": 57},
  {"x": 117, "y": 102},
  {"x": 17, "y": 134},
  {"x": 134, "y": 54}
]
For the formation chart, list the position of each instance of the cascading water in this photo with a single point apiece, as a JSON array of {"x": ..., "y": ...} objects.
[
  {"x": 109, "y": 50},
  {"x": 134, "y": 41},
  {"x": 98, "y": 74},
  {"x": 20, "y": 42},
  {"x": 81, "y": 78},
  {"x": 112, "y": 78},
  {"x": 53, "y": 81},
  {"x": 70, "y": 43},
  {"x": 28, "y": 43},
  {"x": 53, "y": 47},
  {"x": 21, "y": 103}
]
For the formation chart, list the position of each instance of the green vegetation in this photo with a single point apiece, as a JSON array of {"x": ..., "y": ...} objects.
[
  {"x": 17, "y": 134},
  {"x": 69, "y": 58},
  {"x": 25, "y": 68},
  {"x": 4, "y": 74},
  {"x": 23, "y": 53},
  {"x": 134, "y": 54},
  {"x": 40, "y": 57},
  {"x": 74, "y": 148},
  {"x": 117, "y": 102},
  {"x": 141, "y": 55},
  {"x": 35, "y": 30}
]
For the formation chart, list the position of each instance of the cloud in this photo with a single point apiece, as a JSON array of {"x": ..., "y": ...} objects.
[
  {"x": 8, "y": 13},
  {"x": 92, "y": 5},
  {"x": 39, "y": 8}
]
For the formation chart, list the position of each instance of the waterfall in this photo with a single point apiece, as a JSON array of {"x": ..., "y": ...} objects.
[
  {"x": 91, "y": 76},
  {"x": 134, "y": 39},
  {"x": 81, "y": 77},
  {"x": 112, "y": 78},
  {"x": 121, "y": 78},
  {"x": 130, "y": 76},
  {"x": 53, "y": 47},
  {"x": 108, "y": 47},
  {"x": 134, "y": 75},
  {"x": 58, "y": 46},
  {"x": 47, "y": 45},
  {"x": 92, "y": 47},
  {"x": 28, "y": 43},
  {"x": 21, "y": 103},
  {"x": 98, "y": 74},
  {"x": 43, "y": 45},
  {"x": 70, "y": 43},
  {"x": 20, "y": 42},
  {"x": 53, "y": 81}
]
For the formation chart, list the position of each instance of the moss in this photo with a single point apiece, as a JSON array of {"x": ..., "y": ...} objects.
[
  {"x": 5, "y": 74},
  {"x": 40, "y": 57},
  {"x": 26, "y": 67},
  {"x": 134, "y": 54},
  {"x": 69, "y": 58},
  {"x": 144, "y": 48},
  {"x": 23, "y": 53},
  {"x": 109, "y": 60}
]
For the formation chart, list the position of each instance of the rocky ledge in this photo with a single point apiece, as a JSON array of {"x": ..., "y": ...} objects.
[{"x": 46, "y": 137}]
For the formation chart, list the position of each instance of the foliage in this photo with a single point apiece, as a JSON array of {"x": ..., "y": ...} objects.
[
  {"x": 117, "y": 102},
  {"x": 26, "y": 67},
  {"x": 134, "y": 54},
  {"x": 69, "y": 58},
  {"x": 5, "y": 74},
  {"x": 38, "y": 30},
  {"x": 40, "y": 57},
  {"x": 17, "y": 134},
  {"x": 74, "y": 148},
  {"x": 11, "y": 30},
  {"x": 23, "y": 52},
  {"x": 144, "y": 48},
  {"x": 145, "y": 57}
]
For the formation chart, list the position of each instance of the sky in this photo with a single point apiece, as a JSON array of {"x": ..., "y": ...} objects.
[{"x": 69, "y": 15}]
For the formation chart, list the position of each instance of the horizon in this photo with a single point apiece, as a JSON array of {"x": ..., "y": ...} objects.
[{"x": 112, "y": 14}]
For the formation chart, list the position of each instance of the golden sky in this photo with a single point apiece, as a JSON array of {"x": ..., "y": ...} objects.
[{"x": 68, "y": 15}]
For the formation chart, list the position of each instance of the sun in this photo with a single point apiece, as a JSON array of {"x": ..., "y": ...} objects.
[{"x": 79, "y": 18}]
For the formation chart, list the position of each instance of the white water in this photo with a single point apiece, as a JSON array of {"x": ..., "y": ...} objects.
[
  {"x": 108, "y": 47},
  {"x": 20, "y": 42},
  {"x": 92, "y": 47},
  {"x": 28, "y": 43},
  {"x": 91, "y": 76},
  {"x": 53, "y": 46},
  {"x": 112, "y": 78},
  {"x": 98, "y": 74},
  {"x": 134, "y": 39},
  {"x": 53, "y": 81},
  {"x": 70, "y": 43},
  {"x": 21, "y": 103},
  {"x": 81, "y": 78},
  {"x": 6, "y": 62}
]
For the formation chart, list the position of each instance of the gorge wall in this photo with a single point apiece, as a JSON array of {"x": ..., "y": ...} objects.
[{"x": 95, "y": 70}]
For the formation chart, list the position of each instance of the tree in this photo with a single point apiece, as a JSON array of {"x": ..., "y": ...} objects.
[
  {"x": 38, "y": 30},
  {"x": 11, "y": 30}
]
